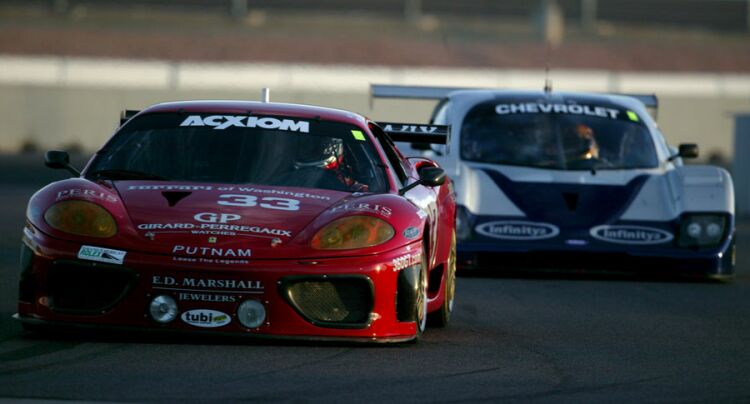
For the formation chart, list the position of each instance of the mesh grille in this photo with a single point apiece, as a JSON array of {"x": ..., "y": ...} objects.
[
  {"x": 347, "y": 301},
  {"x": 86, "y": 288}
]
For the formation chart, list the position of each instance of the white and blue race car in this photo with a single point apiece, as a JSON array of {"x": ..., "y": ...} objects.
[{"x": 576, "y": 181}]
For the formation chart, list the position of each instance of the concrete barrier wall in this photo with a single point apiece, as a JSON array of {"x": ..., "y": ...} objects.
[
  {"x": 58, "y": 101},
  {"x": 741, "y": 166}
]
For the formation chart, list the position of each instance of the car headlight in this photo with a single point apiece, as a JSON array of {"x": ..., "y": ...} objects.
[
  {"x": 704, "y": 230},
  {"x": 353, "y": 232},
  {"x": 81, "y": 218},
  {"x": 163, "y": 309},
  {"x": 251, "y": 313}
]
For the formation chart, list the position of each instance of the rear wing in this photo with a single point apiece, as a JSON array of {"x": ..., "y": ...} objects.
[
  {"x": 412, "y": 92},
  {"x": 126, "y": 115},
  {"x": 416, "y": 133},
  {"x": 649, "y": 100}
]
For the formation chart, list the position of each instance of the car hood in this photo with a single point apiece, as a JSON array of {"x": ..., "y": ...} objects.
[
  {"x": 221, "y": 221},
  {"x": 569, "y": 204}
]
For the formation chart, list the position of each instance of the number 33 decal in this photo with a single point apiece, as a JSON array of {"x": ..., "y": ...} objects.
[{"x": 269, "y": 202}]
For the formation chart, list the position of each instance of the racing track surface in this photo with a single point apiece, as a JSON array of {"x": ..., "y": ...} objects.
[{"x": 572, "y": 339}]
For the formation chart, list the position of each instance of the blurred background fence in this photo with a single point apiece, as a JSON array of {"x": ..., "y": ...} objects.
[{"x": 725, "y": 15}]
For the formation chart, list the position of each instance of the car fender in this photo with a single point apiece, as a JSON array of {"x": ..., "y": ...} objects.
[
  {"x": 705, "y": 189},
  {"x": 657, "y": 200},
  {"x": 481, "y": 195},
  {"x": 77, "y": 189}
]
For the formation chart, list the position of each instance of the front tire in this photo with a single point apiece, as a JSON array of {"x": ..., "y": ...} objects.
[
  {"x": 421, "y": 304},
  {"x": 442, "y": 317}
]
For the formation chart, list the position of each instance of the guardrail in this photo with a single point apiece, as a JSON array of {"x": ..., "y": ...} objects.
[{"x": 726, "y": 15}]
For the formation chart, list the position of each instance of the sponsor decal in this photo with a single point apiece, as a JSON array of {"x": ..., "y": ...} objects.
[
  {"x": 221, "y": 122},
  {"x": 358, "y": 135},
  {"x": 206, "y": 297},
  {"x": 624, "y": 234},
  {"x": 252, "y": 190},
  {"x": 272, "y": 191},
  {"x": 212, "y": 240},
  {"x": 548, "y": 108},
  {"x": 217, "y": 228},
  {"x": 576, "y": 242},
  {"x": 364, "y": 207},
  {"x": 633, "y": 116},
  {"x": 201, "y": 260},
  {"x": 214, "y": 229},
  {"x": 206, "y": 318},
  {"x": 517, "y": 230},
  {"x": 411, "y": 232},
  {"x": 406, "y": 261},
  {"x": 101, "y": 254},
  {"x": 410, "y": 128},
  {"x": 208, "y": 217},
  {"x": 166, "y": 226},
  {"x": 211, "y": 251},
  {"x": 85, "y": 194},
  {"x": 188, "y": 284},
  {"x": 170, "y": 187}
]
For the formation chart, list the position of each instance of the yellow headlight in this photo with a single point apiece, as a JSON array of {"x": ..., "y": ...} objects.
[
  {"x": 353, "y": 232},
  {"x": 81, "y": 218}
]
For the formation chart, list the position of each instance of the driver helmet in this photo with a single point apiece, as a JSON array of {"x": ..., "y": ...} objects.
[
  {"x": 318, "y": 152},
  {"x": 580, "y": 143}
]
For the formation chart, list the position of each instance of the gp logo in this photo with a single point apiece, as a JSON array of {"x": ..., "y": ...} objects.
[{"x": 208, "y": 217}]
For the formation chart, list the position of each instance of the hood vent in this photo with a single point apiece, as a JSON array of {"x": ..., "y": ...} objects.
[
  {"x": 173, "y": 197},
  {"x": 571, "y": 200},
  {"x": 569, "y": 204}
]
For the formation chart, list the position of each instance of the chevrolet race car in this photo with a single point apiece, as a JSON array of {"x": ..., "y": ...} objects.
[
  {"x": 250, "y": 218},
  {"x": 556, "y": 180}
]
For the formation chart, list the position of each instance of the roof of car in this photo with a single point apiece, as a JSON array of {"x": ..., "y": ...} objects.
[
  {"x": 554, "y": 96},
  {"x": 259, "y": 108}
]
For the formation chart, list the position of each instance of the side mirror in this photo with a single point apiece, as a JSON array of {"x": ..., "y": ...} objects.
[
  {"x": 432, "y": 176},
  {"x": 429, "y": 177},
  {"x": 57, "y": 159},
  {"x": 688, "y": 150}
]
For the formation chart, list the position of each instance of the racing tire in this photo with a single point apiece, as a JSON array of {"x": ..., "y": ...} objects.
[
  {"x": 442, "y": 317},
  {"x": 421, "y": 303}
]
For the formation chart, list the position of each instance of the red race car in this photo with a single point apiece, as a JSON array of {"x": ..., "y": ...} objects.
[{"x": 251, "y": 218}]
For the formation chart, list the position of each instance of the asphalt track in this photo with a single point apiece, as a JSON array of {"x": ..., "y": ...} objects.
[{"x": 545, "y": 339}]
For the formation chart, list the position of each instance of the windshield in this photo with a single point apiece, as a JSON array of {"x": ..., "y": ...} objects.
[
  {"x": 557, "y": 136},
  {"x": 242, "y": 149}
]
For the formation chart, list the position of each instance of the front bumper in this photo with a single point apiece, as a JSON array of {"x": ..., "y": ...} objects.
[
  {"x": 512, "y": 244},
  {"x": 351, "y": 299},
  {"x": 510, "y": 257}
]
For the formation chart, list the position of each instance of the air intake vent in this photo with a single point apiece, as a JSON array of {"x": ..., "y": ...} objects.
[
  {"x": 84, "y": 288},
  {"x": 331, "y": 301}
]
